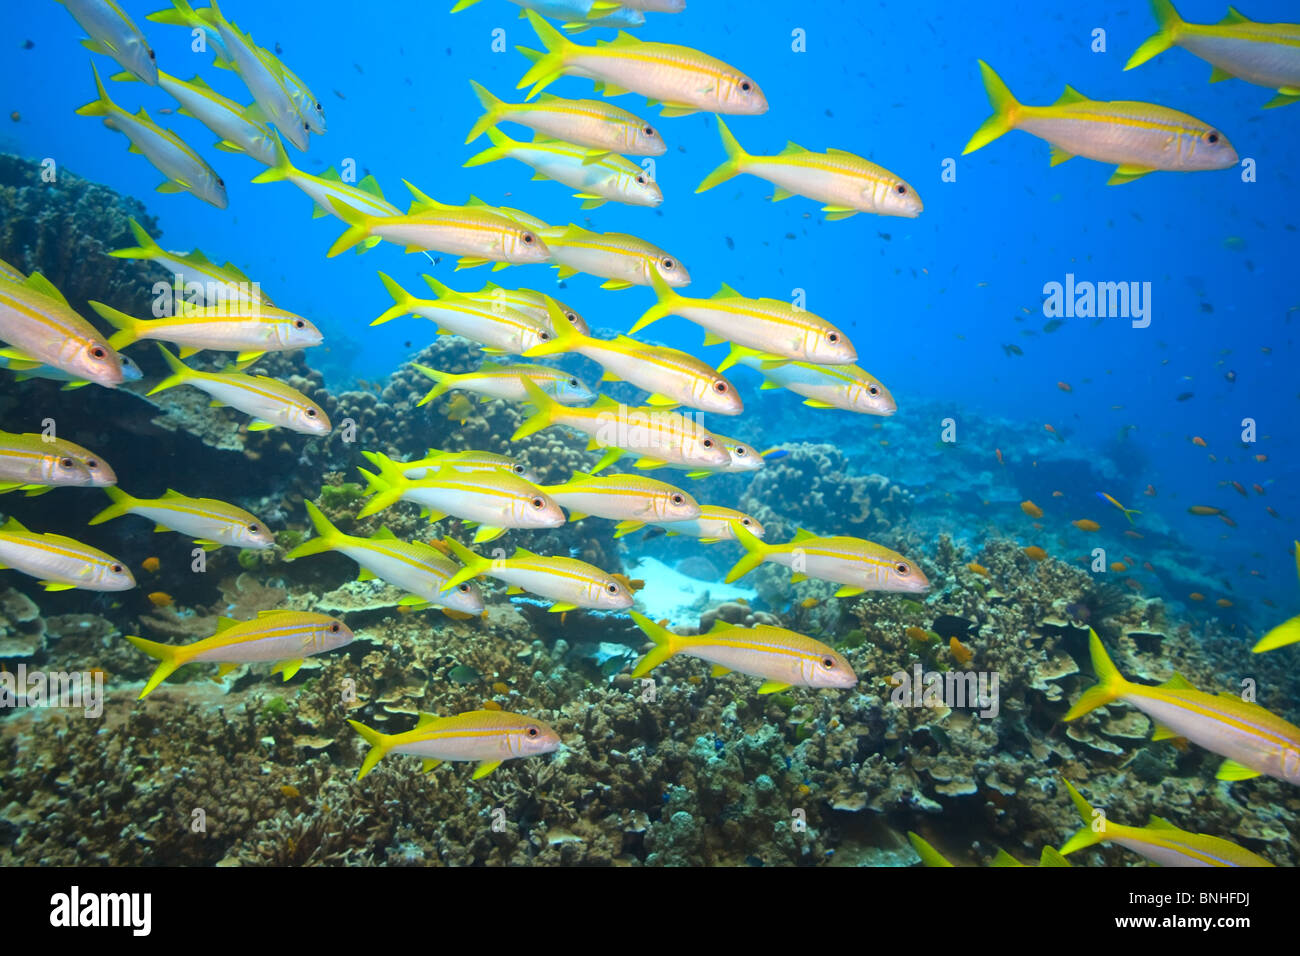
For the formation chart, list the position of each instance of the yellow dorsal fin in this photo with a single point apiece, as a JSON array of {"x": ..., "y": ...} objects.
[
  {"x": 13, "y": 524},
  {"x": 38, "y": 283},
  {"x": 332, "y": 175},
  {"x": 1233, "y": 16},
  {"x": 791, "y": 149},
  {"x": 718, "y": 625},
  {"x": 801, "y": 534},
  {"x": 1071, "y": 95},
  {"x": 383, "y": 534},
  {"x": 1177, "y": 682},
  {"x": 425, "y": 719},
  {"x": 524, "y": 553},
  {"x": 225, "y": 623},
  {"x": 1160, "y": 823},
  {"x": 726, "y": 292},
  {"x": 371, "y": 185}
]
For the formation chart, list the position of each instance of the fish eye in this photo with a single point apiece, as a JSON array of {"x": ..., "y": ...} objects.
[
  {"x": 874, "y": 390},
  {"x": 678, "y": 499},
  {"x": 641, "y": 180},
  {"x": 1211, "y": 137},
  {"x": 518, "y": 469},
  {"x": 311, "y": 413},
  {"x": 739, "y": 451},
  {"x": 833, "y": 337},
  {"x": 707, "y": 443},
  {"x": 254, "y": 528},
  {"x": 318, "y": 109},
  {"x": 91, "y": 463},
  {"x": 98, "y": 352},
  {"x": 528, "y": 238},
  {"x": 612, "y": 588},
  {"x": 299, "y": 324},
  {"x": 153, "y": 55},
  {"x": 116, "y": 568},
  {"x": 649, "y": 131},
  {"x": 544, "y": 336},
  {"x": 573, "y": 383},
  {"x": 900, "y": 189},
  {"x": 221, "y": 182},
  {"x": 532, "y": 731},
  {"x": 539, "y": 503},
  {"x": 745, "y": 521},
  {"x": 464, "y": 588},
  {"x": 667, "y": 263},
  {"x": 334, "y": 628},
  {"x": 902, "y": 568},
  {"x": 572, "y": 317},
  {"x": 746, "y": 86},
  {"x": 65, "y": 463},
  {"x": 828, "y": 662}
]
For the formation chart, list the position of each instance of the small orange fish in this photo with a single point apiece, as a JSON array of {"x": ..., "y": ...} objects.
[
  {"x": 1086, "y": 524},
  {"x": 1133, "y": 585},
  {"x": 1261, "y": 457},
  {"x": 1058, "y": 494},
  {"x": 1031, "y": 509},
  {"x": 1198, "y": 440},
  {"x": 491, "y": 705},
  {"x": 1258, "y": 489},
  {"x": 1204, "y": 510},
  {"x": 1150, "y": 491},
  {"x": 919, "y": 634},
  {"x": 1035, "y": 553},
  {"x": 290, "y": 792},
  {"x": 1131, "y": 533},
  {"x": 403, "y": 609},
  {"x": 1148, "y": 565},
  {"x": 1197, "y": 596},
  {"x": 501, "y": 687},
  {"x": 1118, "y": 566},
  {"x": 978, "y": 569},
  {"x": 809, "y": 603},
  {"x": 1223, "y": 602},
  {"x": 1240, "y": 489},
  {"x": 459, "y": 409},
  {"x": 1269, "y": 509},
  {"x": 960, "y": 652},
  {"x": 160, "y": 599},
  {"x": 1228, "y": 521},
  {"x": 1049, "y": 428},
  {"x": 1064, "y": 386},
  {"x": 998, "y": 452},
  {"x": 151, "y": 565}
]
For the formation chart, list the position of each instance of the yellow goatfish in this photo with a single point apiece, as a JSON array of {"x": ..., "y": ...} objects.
[
  {"x": 212, "y": 523},
  {"x": 417, "y": 568},
  {"x": 528, "y": 301},
  {"x": 826, "y": 386},
  {"x": 498, "y": 328},
  {"x": 1266, "y": 54},
  {"x": 660, "y": 437},
  {"x": 365, "y": 198},
  {"x": 631, "y": 500},
  {"x": 506, "y": 382},
  {"x": 185, "y": 169},
  {"x": 672, "y": 377},
  {"x": 59, "y": 562},
  {"x": 742, "y": 457},
  {"x": 567, "y": 582},
  {"x": 932, "y": 857},
  {"x": 113, "y": 33},
  {"x": 782, "y": 658},
  {"x": 683, "y": 80},
  {"x": 848, "y": 184},
  {"x": 478, "y": 236},
  {"x": 467, "y": 461},
  {"x": 29, "y": 463},
  {"x": 1255, "y": 741},
  {"x": 251, "y": 329},
  {"x": 588, "y": 123},
  {"x": 1138, "y": 138},
  {"x": 1288, "y": 632},
  {"x": 493, "y": 500},
  {"x": 238, "y": 132},
  {"x": 42, "y": 329},
  {"x": 621, "y": 259},
  {"x": 101, "y": 473},
  {"x": 857, "y": 564},
  {"x": 271, "y": 403},
  {"x": 488, "y": 736},
  {"x": 284, "y": 638},
  {"x": 764, "y": 328},
  {"x": 199, "y": 280},
  {"x": 1160, "y": 841},
  {"x": 714, "y": 523},
  {"x": 598, "y": 175}
]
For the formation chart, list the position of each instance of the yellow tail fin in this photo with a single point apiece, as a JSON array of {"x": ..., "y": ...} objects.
[
  {"x": 665, "y": 645},
  {"x": 102, "y": 105},
  {"x": 494, "y": 107},
  {"x": 129, "y": 329},
  {"x": 403, "y": 301},
  {"x": 380, "y": 744},
  {"x": 668, "y": 301},
  {"x": 544, "y": 415},
  {"x": 928, "y": 854},
  {"x": 1167, "y": 24},
  {"x": 1003, "y": 119},
  {"x": 358, "y": 227},
  {"x": 181, "y": 373},
  {"x": 730, "y": 166},
  {"x": 475, "y": 564},
  {"x": 169, "y": 658},
  {"x": 1087, "y": 836},
  {"x": 327, "y": 536},
  {"x": 122, "y": 503},
  {"x": 755, "y": 551},
  {"x": 548, "y": 66},
  {"x": 1110, "y": 683}
]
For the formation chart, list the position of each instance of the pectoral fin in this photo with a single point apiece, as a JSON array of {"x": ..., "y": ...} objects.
[
  {"x": 1126, "y": 174},
  {"x": 485, "y": 768},
  {"x": 772, "y": 687},
  {"x": 1231, "y": 770},
  {"x": 287, "y": 668}
]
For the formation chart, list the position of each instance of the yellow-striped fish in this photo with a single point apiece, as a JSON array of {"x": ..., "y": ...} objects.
[
  {"x": 1288, "y": 632},
  {"x": 466, "y": 461},
  {"x": 186, "y": 170},
  {"x": 567, "y": 582},
  {"x": 1138, "y": 138},
  {"x": 598, "y": 175},
  {"x": 1266, "y": 54},
  {"x": 763, "y": 328},
  {"x": 528, "y": 301},
  {"x": 212, "y": 523},
  {"x": 419, "y": 569},
  {"x": 101, "y": 473},
  {"x": 506, "y": 382},
  {"x": 499, "y": 329},
  {"x": 284, "y": 638},
  {"x": 622, "y": 260},
  {"x": 200, "y": 281},
  {"x": 857, "y": 564},
  {"x": 932, "y": 857},
  {"x": 365, "y": 198},
  {"x": 271, "y": 403},
  {"x": 741, "y": 457},
  {"x": 682, "y": 79},
  {"x": 59, "y": 562},
  {"x": 588, "y": 123},
  {"x": 782, "y": 658},
  {"x": 42, "y": 329},
  {"x": 487, "y": 736},
  {"x": 631, "y": 500},
  {"x": 659, "y": 437},
  {"x": 1159, "y": 841},
  {"x": 716, "y": 523},
  {"x": 1254, "y": 740},
  {"x": 23, "y": 370},
  {"x": 672, "y": 377},
  {"x": 493, "y": 500},
  {"x": 848, "y": 184},
  {"x": 238, "y": 131},
  {"x": 29, "y": 463},
  {"x": 113, "y": 33},
  {"x": 252, "y": 330},
  {"x": 827, "y": 386}
]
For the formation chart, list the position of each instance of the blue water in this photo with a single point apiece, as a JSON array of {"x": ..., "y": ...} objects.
[{"x": 929, "y": 302}]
